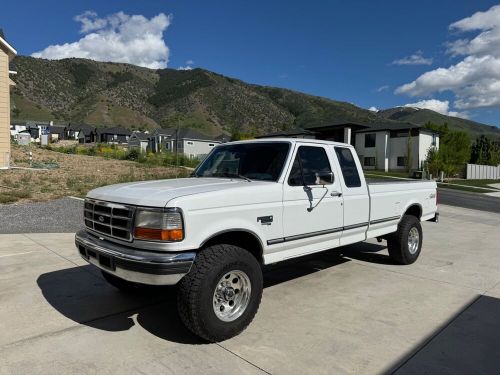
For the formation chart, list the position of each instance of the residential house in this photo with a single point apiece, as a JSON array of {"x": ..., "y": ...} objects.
[
  {"x": 383, "y": 146},
  {"x": 186, "y": 141},
  {"x": 113, "y": 135},
  {"x": 17, "y": 127},
  {"x": 194, "y": 144},
  {"x": 162, "y": 140},
  {"x": 139, "y": 140},
  {"x": 83, "y": 133},
  {"x": 7, "y": 53},
  {"x": 394, "y": 146},
  {"x": 57, "y": 132},
  {"x": 37, "y": 129},
  {"x": 87, "y": 134}
]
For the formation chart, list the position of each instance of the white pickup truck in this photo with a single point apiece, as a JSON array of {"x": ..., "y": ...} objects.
[{"x": 248, "y": 204}]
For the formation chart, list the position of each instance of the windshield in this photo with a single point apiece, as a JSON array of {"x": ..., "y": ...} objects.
[{"x": 254, "y": 161}]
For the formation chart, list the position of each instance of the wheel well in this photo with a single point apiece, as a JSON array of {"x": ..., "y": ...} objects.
[
  {"x": 414, "y": 210},
  {"x": 243, "y": 239}
]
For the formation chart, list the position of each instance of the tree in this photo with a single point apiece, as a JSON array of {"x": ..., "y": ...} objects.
[
  {"x": 453, "y": 153},
  {"x": 485, "y": 151},
  {"x": 433, "y": 161}
]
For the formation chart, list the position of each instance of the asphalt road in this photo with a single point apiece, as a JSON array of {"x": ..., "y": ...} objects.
[
  {"x": 57, "y": 216},
  {"x": 470, "y": 200}
]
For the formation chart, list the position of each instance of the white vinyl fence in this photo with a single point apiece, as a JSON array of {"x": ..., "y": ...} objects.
[{"x": 482, "y": 172}]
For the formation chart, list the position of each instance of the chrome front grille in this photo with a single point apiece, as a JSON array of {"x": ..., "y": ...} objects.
[{"x": 111, "y": 219}]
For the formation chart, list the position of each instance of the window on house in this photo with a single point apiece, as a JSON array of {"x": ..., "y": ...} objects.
[
  {"x": 370, "y": 140},
  {"x": 369, "y": 161},
  {"x": 348, "y": 167},
  {"x": 401, "y": 161},
  {"x": 190, "y": 143},
  {"x": 434, "y": 140},
  {"x": 211, "y": 145}
]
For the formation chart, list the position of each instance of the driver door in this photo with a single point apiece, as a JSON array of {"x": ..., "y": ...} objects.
[{"x": 312, "y": 202}]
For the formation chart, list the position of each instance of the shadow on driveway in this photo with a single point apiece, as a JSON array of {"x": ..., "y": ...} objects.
[{"x": 78, "y": 295}]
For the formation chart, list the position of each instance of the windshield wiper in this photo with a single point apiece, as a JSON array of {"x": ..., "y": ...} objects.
[{"x": 235, "y": 175}]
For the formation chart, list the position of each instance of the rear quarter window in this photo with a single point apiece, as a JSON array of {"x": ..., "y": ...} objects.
[{"x": 348, "y": 167}]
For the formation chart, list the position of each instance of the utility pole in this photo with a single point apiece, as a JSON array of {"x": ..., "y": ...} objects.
[{"x": 177, "y": 148}]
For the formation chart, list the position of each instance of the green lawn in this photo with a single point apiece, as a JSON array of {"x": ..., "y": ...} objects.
[
  {"x": 478, "y": 183},
  {"x": 387, "y": 174}
]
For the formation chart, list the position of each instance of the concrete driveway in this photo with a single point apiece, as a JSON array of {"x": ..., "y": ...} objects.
[{"x": 345, "y": 311}]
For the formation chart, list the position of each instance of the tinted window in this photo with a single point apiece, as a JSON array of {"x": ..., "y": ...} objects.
[
  {"x": 401, "y": 161},
  {"x": 348, "y": 167},
  {"x": 369, "y": 140},
  {"x": 257, "y": 161},
  {"x": 308, "y": 164},
  {"x": 369, "y": 161}
]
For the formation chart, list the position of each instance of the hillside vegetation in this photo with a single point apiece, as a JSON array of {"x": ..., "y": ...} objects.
[{"x": 104, "y": 94}]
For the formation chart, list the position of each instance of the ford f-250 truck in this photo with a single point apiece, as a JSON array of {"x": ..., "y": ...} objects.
[{"x": 248, "y": 204}]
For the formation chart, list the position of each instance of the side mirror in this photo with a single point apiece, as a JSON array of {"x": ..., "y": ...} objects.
[{"x": 325, "y": 178}]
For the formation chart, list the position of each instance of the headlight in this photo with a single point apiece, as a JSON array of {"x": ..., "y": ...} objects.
[{"x": 159, "y": 225}]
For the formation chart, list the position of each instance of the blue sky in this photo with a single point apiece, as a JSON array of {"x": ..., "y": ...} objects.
[{"x": 362, "y": 52}]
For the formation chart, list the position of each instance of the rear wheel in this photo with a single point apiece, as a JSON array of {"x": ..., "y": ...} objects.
[
  {"x": 405, "y": 245},
  {"x": 123, "y": 285},
  {"x": 221, "y": 294}
]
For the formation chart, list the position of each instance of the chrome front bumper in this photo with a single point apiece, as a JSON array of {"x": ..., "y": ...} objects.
[{"x": 139, "y": 266}]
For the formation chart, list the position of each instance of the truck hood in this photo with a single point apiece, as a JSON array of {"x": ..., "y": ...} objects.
[{"x": 159, "y": 192}]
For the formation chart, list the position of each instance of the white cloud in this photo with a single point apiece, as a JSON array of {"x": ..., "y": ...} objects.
[
  {"x": 373, "y": 109},
  {"x": 416, "y": 59},
  {"x": 188, "y": 65},
  {"x": 382, "y": 88},
  {"x": 475, "y": 80},
  {"x": 440, "y": 106},
  {"x": 119, "y": 37}
]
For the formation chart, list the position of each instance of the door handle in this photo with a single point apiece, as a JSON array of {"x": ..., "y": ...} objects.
[{"x": 336, "y": 194}]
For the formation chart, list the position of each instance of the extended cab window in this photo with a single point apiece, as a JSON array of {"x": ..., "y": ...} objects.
[
  {"x": 309, "y": 163},
  {"x": 256, "y": 161},
  {"x": 348, "y": 167}
]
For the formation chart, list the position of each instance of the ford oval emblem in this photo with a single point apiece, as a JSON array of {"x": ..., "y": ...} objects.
[{"x": 101, "y": 219}]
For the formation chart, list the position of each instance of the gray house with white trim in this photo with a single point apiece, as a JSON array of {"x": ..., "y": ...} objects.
[{"x": 186, "y": 141}]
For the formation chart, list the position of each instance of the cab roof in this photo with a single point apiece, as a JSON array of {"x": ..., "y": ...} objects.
[{"x": 290, "y": 140}]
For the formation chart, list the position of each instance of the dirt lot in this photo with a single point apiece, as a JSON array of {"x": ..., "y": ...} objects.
[{"x": 74, "y": 175}]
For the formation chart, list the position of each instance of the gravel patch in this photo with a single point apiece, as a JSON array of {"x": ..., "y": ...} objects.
[{"x": 58, "y": 216}]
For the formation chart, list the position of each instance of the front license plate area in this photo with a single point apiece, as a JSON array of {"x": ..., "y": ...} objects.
[{"x": 106, "y": 262}]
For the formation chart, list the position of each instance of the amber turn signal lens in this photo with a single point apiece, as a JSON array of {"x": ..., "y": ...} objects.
[{"x": 159, "y": 234}]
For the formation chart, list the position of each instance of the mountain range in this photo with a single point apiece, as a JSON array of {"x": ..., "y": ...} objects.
[{"x": 111, "y": 94}]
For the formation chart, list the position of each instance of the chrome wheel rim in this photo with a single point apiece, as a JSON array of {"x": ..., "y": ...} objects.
[
  {"x": 232, "y": 295},
  {"x": 413, "y": 240}
]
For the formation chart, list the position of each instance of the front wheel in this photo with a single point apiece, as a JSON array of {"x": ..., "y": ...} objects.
[
  {"x": 405, "y": 245},
  {"x": 221, "y": 294}
]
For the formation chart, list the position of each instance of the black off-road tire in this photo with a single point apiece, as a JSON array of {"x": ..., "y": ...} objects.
[
  {"x": 196, "y": 291},
  {"x": 397, "y": 242},
  {"x": 122, "y": 285}
]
